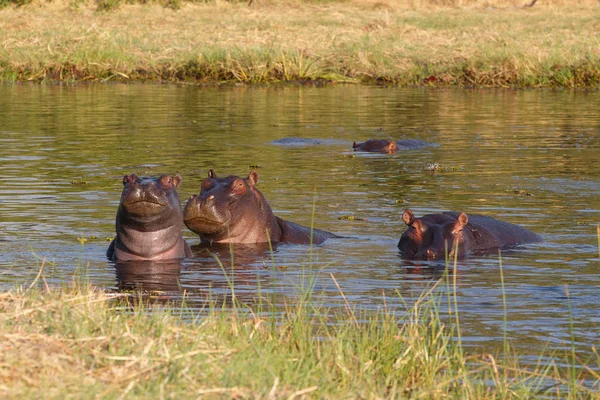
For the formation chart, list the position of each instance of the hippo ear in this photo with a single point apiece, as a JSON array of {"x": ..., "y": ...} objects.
[
  {"x": 253, "y": 178},
  {"x": 354, "y": 145},
  {"x": 177, "y": 180},
  {"x": 129, "y": 178},
  {"x": 212, "y": 174},
  {"x": 408, "y": 217},
  {"x": 461, "y": 221}
]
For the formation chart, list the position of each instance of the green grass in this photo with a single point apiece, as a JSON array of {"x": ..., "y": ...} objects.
[
  {"x": 82, "y": 342},
  {"x": 393, "y": 42}
]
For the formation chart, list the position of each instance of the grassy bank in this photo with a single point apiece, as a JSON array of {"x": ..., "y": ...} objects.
[
  {"x": 78, "y": 342},
  {"x": 398, "y": 42}
]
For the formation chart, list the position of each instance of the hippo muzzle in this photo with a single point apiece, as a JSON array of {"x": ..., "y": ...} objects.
[
  {"x": 203, "y": 216},
  {"x": 144, "y": 199}
]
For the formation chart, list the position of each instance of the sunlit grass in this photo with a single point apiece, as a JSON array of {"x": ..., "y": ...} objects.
[
  {"x": 388, "y": 42},
  {"x": 79, "y": 341}
]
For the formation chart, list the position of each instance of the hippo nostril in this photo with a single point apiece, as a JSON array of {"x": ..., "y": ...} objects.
[{"x": 208, "y": 200}]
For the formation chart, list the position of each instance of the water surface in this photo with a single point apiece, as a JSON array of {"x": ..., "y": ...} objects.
[{"x": 527, "y": 157}]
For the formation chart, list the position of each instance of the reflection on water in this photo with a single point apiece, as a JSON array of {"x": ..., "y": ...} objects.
[
  {"x": 159, "y": 276},
  {"x": 527, "y": 157}
]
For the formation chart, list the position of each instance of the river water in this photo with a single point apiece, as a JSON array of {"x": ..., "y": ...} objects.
[{"x": 526, "y": 157}]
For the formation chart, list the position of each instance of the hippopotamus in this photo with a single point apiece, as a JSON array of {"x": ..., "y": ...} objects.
[
  {"x": 389, "y": 146},
  {"x": 233, "y": 210},
  {"x": 426, "y": 237},
  {"x": 149, "y": 220},
  {"x": 376, "y": 146},
  {"x": 305, "y": 142}
]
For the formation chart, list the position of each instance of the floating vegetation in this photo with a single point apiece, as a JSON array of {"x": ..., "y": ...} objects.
[
  {"x": 437, "y": 167},
  {"x": 351, "y": 218},
  {"x": 83, "y": 239},
  {"x": 79, "y": 183},
  {"x": 521, "y": 192},
  {"x": 254, "y": 166},
  {"x": 345, "y": 156}
]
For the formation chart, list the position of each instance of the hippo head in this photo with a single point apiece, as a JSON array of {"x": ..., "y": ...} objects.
[
  {"x": 226, "y": 208},
  {"x": 376, "y": 146},
  {"x": 150, "y": 201},
  {"x": 430, "y": 238}
]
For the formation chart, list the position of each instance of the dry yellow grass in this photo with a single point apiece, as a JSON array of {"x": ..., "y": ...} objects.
[
  {"x": 83, "y": 343},
  {"x": 450, "y": 42}
]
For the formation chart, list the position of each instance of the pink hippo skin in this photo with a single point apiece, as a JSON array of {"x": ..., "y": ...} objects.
[
  {"x": 149, "y": 221},
  {"x": 428, "y": 237},
  {"x": 233, "y": 210}
]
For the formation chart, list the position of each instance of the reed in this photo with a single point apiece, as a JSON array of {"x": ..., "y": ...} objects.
[
  {"x": 390, "y": 42},
  {"x": 79, "y": 341}
]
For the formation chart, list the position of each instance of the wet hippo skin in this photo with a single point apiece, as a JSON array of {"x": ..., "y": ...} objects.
[
  {"x": 426, "y": 237},
  {"x": 149, "y": 220},
  {"x": 376, "y": 146},
  {"x": 389, "y": 146},
  {"x": 233, "y": 210}
]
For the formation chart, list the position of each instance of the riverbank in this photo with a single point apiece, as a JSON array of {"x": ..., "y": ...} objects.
[
  {"x": 87, "y": 343},
  {"x": 383, "y": 42}
]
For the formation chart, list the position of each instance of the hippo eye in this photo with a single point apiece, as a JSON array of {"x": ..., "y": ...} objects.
[
  {"x": 237, "y": 186},
  {"x": 166, "y": 180}
]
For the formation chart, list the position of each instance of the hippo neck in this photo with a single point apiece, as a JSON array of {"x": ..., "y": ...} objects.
[
  {"x": 476, "y": 237},
  {"x": 169, "y": 218},
  {"x": 258, "y": 226},
  {"x": 148, "y": 244}
]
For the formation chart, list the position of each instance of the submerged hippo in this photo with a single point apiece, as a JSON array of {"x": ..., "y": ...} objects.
[
  {"x": 376, "y": 146},
  {"x": 149, "y": 220},
  {"x": 426, "y": 237},
  {"x": 233, "y": 210},
  {"x": 389, "y": 146}
]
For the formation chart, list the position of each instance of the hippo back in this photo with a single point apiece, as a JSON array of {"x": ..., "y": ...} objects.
[
  {"x": 490, "y": 233},
  {"x": 292, "y": 232}
]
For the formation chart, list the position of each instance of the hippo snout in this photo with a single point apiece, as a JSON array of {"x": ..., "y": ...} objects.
[
  {"x": 203, "y": 207},
  {"x": 427, "y": 254},
  {"x": 208, "y": 201}
]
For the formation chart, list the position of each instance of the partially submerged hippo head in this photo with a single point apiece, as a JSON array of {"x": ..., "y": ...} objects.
[
  {"x": 376, "y": 146},
  {"x": 149, "y": 220},
  {"x": 150, "y": 201},
  {"x": 430, "y": 237},
  {"x": 231, "y": 209}
]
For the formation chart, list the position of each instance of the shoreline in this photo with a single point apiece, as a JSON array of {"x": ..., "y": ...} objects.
[
  {"x": 302, "y": 43},
  {"x": 139, "y": 346}
]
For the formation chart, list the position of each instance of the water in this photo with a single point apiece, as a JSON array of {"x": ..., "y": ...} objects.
[{"x": 527, "y": 157}]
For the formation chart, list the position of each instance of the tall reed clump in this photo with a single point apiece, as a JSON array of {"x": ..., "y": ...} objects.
[{"x": 79, "y": 341}]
